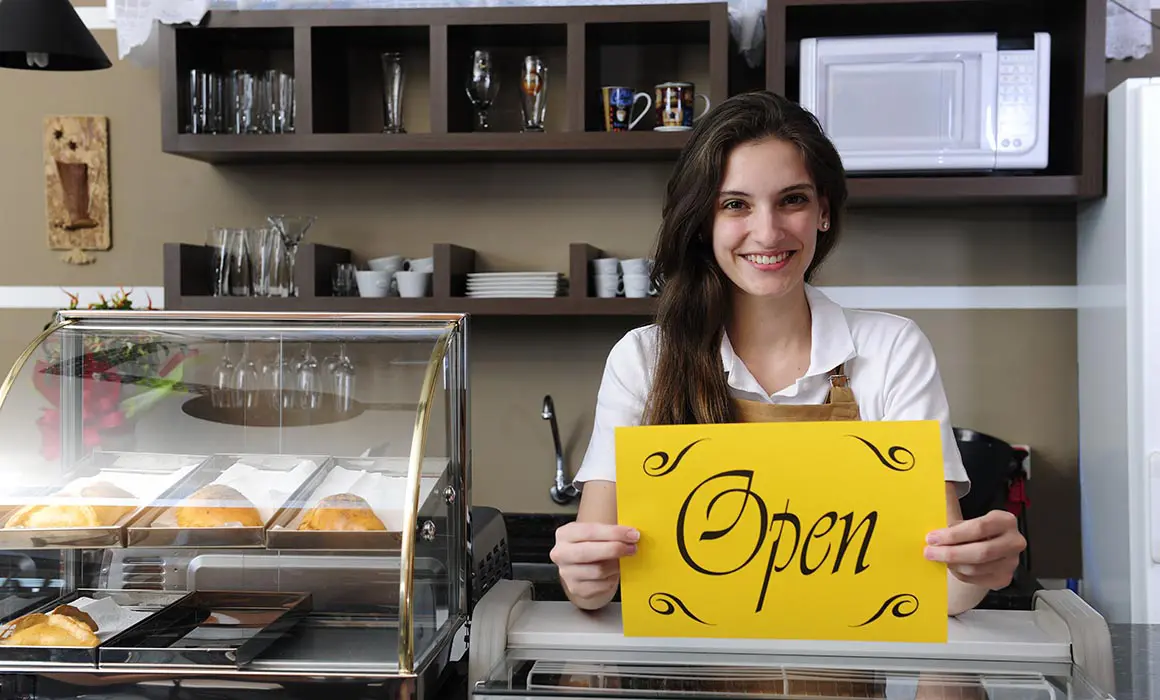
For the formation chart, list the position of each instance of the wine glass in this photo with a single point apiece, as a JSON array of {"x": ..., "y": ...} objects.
[
  {"x": 291, "y": 229},
  {"x": 223, "y": 381},
  {"x": 308, "y": 379},
  {"x": 246, "y": 381},
  {"x": 482, "y": 87},
  {"x": 343, "y": 378}
]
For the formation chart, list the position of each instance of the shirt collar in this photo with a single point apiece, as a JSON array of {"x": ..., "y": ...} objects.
[{"x": 831, "y": 343}]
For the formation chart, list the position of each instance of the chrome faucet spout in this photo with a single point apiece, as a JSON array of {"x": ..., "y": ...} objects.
[{"x": 563, "y": 491}]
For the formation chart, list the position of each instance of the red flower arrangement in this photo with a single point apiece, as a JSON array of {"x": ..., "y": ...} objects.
[{"x": 105, "y": 412}]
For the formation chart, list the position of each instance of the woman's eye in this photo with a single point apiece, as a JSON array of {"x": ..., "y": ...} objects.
[
  {"x": 733, "y": 204},
  {"x": 796, "y": 199}
]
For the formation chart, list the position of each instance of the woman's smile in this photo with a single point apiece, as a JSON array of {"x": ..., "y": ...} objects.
[{"x": 769, "y": 262}]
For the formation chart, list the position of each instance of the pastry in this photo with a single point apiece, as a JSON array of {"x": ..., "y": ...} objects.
[
  {"x": 343, "y": 511},
  {"x": 217, "y": 506},
  {"x": 64, "y": 515},
  {"x": 52, "y": 630},
  {"x": 77, "y": 614}
]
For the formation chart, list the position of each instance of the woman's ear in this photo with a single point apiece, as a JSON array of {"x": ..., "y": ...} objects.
[{"x": 823, "y": 214}]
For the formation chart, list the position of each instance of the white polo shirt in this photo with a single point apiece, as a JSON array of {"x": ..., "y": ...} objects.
[{"x": 889, "y": 361}]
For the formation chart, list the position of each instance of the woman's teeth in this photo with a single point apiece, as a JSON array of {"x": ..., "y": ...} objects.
[{"x": 768, "y": 259}]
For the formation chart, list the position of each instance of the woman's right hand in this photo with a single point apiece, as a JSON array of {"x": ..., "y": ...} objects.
[{"x": 588, "y": 556}]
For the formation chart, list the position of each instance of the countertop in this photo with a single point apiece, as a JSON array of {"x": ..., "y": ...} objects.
[{"x": 1136, "y": 651}]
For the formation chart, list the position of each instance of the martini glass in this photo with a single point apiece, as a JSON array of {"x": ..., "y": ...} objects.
[{"x": 291, "y": 229}]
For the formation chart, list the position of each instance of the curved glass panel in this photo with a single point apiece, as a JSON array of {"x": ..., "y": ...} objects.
[{"x": 266, "y": 455}]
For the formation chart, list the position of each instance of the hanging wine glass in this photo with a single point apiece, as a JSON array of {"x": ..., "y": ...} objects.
[
  {"x": 221, "y": 390},
  {"x": 308, "y": 380},
  {"x": 291, "y": 229},
  {"x": 343, "y": 379},
  {"x": 246, "y": 381}
]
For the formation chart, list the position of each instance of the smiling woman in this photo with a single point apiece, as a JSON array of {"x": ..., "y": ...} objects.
[{"x": 753, "y": 208}]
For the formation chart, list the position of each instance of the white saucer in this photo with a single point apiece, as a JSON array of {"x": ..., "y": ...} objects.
[{"x": 672, "y": 128}]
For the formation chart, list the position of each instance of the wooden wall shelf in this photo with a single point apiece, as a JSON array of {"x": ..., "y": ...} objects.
[
  {"x": 333, "y": 55},
  {"x": 187, "y": 287},
  {"x": 1078, "y": 92}
]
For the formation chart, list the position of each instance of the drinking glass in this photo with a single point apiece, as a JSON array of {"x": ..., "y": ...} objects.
[{"x": 291, "y": 229}]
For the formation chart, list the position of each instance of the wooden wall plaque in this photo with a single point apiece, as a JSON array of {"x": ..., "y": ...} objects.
[{"x": 76, "y": 171}]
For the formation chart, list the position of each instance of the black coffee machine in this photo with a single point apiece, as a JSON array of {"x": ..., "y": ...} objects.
[{"x": 998, "y": 482}]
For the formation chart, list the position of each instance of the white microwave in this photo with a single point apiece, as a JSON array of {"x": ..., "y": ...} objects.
[{"x": 930, "y": 102}]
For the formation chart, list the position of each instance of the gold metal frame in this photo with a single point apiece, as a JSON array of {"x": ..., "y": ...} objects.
[
  {"x": 411, "y": 505},
  {"x": 14, "y": 371}
]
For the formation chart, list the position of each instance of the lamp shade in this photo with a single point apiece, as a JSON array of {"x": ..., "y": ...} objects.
[{"x": 47, "y": 35}]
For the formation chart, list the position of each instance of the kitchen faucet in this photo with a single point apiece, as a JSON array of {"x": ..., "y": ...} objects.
[{"x": 562, "y": 493}]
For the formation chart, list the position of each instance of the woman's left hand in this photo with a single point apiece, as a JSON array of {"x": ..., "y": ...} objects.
[{"x": 983, "y": 551}]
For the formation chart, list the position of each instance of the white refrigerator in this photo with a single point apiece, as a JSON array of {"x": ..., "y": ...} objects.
[{"x": 1118, "y": 277}]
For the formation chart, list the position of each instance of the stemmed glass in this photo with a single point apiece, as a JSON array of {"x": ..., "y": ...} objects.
[
  {"x": 482, "y": 87},
  {"x": 308, "y": 379},
  {"x": 291, "y": 229},
  {"x": 343, "y": 378},
  {"x": 245, "y": 381},
  {"x": 223, "y": 381}
]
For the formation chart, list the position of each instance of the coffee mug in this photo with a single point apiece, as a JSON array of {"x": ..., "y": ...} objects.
[
  {"x": 618, "y": 104},
  {"x": 674, "y": 106}
]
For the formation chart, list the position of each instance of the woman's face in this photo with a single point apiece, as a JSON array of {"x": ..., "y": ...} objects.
[{"x": 767, "y": 218}]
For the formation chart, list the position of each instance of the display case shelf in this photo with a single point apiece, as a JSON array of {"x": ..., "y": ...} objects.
[{"x": 187, "y": 275}]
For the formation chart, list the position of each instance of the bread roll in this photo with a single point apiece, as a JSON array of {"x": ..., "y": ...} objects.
[
  {"x": 52, "y": 630},
  {"x": 217, "y": 506},
  {"x": 63, "y": 515},
  {"x": 77, "y": 614},
  {"x": 341, "y": 512}
]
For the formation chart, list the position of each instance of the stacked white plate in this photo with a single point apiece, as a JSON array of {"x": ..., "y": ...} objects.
[{"x": 493, "y": 285}]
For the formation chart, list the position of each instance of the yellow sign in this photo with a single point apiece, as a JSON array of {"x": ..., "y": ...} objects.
[{"x": 783, "y": 530}]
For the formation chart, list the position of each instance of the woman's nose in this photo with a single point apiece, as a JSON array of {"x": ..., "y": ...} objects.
[{"x": 766, "y": 227}]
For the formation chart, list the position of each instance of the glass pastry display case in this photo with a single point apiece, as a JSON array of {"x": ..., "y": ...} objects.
[
  {"x": 271, "y": 498},
  {"x": 525, "y": 648}
]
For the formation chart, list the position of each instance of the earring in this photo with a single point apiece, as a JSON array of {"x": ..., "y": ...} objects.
[{"x": 825, "y": 225}]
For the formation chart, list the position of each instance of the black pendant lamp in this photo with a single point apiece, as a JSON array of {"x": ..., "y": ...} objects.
[{"x": 47, "y": 35}]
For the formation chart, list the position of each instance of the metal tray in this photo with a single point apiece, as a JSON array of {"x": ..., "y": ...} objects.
[
  {"x": 138, "y": 601},
  {"x": 143, "y": 530},
  {"x": 207, "y": 629},
  {"x": 82, "y": 537},
  {"x": 283, "y": 532}
]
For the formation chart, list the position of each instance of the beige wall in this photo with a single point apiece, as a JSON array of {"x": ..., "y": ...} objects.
[{"x": 1010, "y": 373}]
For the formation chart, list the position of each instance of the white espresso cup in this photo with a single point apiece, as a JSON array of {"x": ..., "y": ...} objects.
[
  {"x": 391, "y": 263},
  {"x": 419, "y": 265},
  {"x": 636, "y": 286},
  {"x": 373, "y": 283},
  {"x": 413, "y": 283},
  {"x": 606, "y": 266},
  {"x": 636, "y": 266},
  {"x": 608, "y": 285}
]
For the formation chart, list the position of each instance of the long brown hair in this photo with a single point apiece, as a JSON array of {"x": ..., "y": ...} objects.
[{"x": 695, "y": 301}]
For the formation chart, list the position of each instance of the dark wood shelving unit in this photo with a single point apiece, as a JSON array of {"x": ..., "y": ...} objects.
[
  {"x": 333, "y": 55},
  {"x": 1078, "y": 91},
  {"x": 187, "y": 287}
]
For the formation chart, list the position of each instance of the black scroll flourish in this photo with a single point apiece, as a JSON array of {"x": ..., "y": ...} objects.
[
  {"x": 901, "y": 605},
  {"x": 895, "y": 462},
  {"x": 666, "y": 604},
  {"x": 665, "y": 467}
]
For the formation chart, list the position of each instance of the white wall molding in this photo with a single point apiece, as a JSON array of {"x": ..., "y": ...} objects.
[
  {"x": 97, "y": 17},
  {"x": 883, "y": 298},
  {"x": 947, "y": 297},
  {"x": 13, "y": 297}
]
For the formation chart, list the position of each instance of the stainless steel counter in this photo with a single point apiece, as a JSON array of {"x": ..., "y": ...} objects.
[{"x": 1136, "y": 651}]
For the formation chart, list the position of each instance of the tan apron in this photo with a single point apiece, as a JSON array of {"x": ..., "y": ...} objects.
[{"x": 838, "y": 406}]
